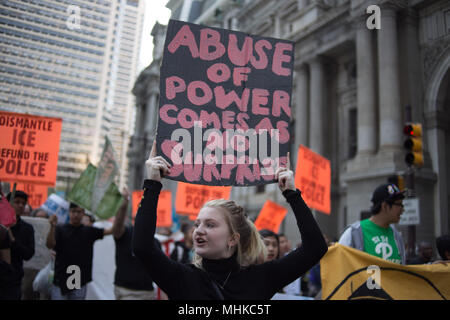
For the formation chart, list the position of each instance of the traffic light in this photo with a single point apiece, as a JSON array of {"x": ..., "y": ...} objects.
[{"x": 413, "y": 144}]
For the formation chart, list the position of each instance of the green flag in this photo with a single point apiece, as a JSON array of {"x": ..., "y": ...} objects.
[
  {"x": 82, "y": 192},
  {"x": 106, "y": 172},
  {"x": 110, "y": 203}
]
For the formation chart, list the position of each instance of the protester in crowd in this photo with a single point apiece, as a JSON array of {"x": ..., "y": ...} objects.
[
  {"x": 39, "y": 213},
  {"x": 443, "y": 247},
  {"x": 425, "y": 253},
  {"x": 73, "y": 243},
  {"x": 182, "y": 251},
  {"x": 166, "y": 240},
  {"x": 7, "y": 287},
  {"x": 272, "y": 243},
  {"x": 227, "y": 246},
  {"x": 21, "y": 235},
  {"x": 273, "y": 246},
  {"x": 376, "y": 235},
  {"x": 285, "y": 244},
  {"x": 131, "y": 281}
]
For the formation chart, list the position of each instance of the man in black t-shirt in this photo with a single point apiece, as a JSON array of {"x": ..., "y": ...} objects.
[
  {"x": 131, "y": 281},
  {"x": 74, "y": 246}
]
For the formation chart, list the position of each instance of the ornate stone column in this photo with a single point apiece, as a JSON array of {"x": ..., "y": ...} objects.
[
  {"x": 390, "y": 110},
  {"x": 301, "y": 4},
  {"x": 138, "y": 121},
  {"x": 150, "y": 114},
  {"x": 317, "y": 100},
  {"x": 366, "y": 98},
  {"x": 301, "y": 108}
]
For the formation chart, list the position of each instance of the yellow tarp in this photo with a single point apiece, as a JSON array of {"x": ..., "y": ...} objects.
[{"x": 350, "y": 274}]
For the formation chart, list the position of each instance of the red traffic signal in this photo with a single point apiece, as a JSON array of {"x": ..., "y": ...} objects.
[
  {"x": 413, "y": 144},
  {"x": 413, "y": 130}
]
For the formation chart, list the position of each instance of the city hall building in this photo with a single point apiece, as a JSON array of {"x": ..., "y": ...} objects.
[{"x": 351, "y": 87}]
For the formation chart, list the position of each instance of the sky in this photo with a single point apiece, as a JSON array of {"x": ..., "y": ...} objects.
[{"x": 155, "y": 10}]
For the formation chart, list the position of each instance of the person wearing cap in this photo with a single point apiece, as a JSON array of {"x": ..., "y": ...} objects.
[
  {"x": 21, "y": 236},
  {"x": 376, "y": 235}
]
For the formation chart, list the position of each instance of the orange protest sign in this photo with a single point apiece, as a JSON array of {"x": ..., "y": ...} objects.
[
  {"x": 270, "y": 216},
  {"x": 37, "y": 193},
  {"x": 29, "y": 147},
  {"x": 136, "y": 197},
  {"x": 191, "y": 197},
  {"x": 164, "y": 210},
  {"x": 313, "y": 179}
]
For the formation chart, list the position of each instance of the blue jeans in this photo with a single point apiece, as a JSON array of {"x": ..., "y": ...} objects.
[{"x": 76, "y": 294}]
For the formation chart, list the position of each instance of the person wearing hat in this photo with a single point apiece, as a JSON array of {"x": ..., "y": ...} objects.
[
  {"x": 21, "y": 236},
  {"x": 376, "y": 235}
]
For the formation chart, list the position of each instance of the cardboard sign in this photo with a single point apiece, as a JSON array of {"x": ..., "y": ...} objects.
[
  {"x": 29, "y": 147},
  {"x": 136, "y": 197},
  {"x": 57, "y": 205},
  {"x": 270, "y": 216},
  {"x": 225, "y": 105},
  {"x": 313, "y": 179},
  {"x": 191, "y": 197},
  {"x": 164, "y": 209},
  {"x": 37, "y": 193}
]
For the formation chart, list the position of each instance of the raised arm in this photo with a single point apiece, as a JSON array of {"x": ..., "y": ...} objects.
[
  {"x": 51, "y": 241},
  {"x": 163, "y": 270},
  {"x": 118, "y": 227},
  {"x": 285, "y": 270}
]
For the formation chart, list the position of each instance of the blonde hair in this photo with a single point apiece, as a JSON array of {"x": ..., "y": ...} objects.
[{"x": 250, "y": 248}]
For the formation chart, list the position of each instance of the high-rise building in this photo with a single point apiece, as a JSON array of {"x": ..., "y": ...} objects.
[{"x": 74, "y": 60}]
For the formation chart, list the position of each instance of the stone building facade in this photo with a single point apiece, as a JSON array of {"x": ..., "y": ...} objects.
[{"x": 351, "y": 87}]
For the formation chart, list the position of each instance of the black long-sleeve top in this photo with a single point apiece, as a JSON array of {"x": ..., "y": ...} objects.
[
  {"x": 22, "y": 249},
  {"x": 255, "y": 282}
]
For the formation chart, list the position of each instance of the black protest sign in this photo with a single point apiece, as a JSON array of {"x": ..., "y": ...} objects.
[{"x": 225, "y": 105}]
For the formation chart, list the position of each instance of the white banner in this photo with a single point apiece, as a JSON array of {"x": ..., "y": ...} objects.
[{"x": 42, "y": 255}]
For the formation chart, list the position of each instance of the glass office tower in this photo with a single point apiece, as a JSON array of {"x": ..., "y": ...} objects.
[{"x": 74, "y": 60}]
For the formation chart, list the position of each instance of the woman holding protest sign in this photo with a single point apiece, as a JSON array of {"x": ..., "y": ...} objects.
[{"x": 228, "y": 248}]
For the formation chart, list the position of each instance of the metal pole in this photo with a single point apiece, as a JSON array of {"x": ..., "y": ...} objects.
[{"x": 409, "y": 184}]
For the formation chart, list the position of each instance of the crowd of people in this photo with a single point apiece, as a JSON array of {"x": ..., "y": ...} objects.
[{"x": 219, "y": 256}]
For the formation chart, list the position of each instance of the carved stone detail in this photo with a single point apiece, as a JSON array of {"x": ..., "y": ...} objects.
[{"x": 432, "y": 55}]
